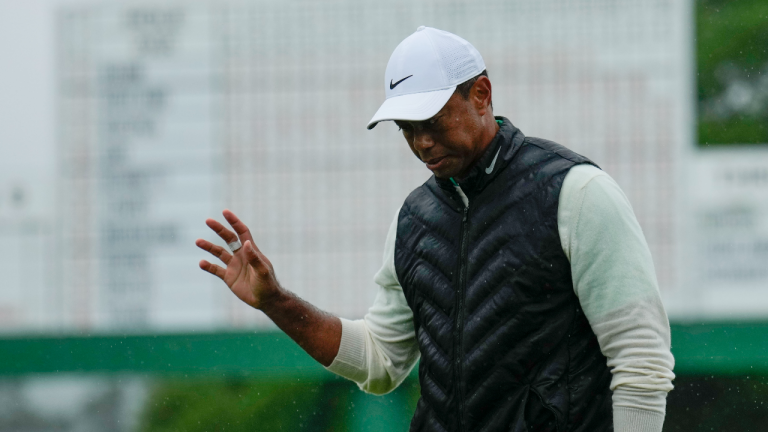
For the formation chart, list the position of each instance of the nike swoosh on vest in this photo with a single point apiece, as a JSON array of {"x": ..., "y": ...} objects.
[{"x": 493, "y": 163}]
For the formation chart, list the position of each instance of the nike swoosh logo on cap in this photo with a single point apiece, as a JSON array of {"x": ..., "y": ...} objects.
[
  {"x": 392, "y": 86},
  {"x": 490, "y": 168}
]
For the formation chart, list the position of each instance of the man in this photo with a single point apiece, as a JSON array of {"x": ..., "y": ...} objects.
[{"x": 517, "y": 273}]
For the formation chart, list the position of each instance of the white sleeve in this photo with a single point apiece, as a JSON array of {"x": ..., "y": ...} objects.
[
  {"x": 378, "y": 351},
  {"x": 615, "y": 281}
]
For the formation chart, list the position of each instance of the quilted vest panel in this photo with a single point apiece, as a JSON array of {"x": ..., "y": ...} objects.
[{"x": 504, "y": 343}]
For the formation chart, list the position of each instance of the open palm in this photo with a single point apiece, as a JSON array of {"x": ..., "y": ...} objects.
[{"x": 248, "y": 272}]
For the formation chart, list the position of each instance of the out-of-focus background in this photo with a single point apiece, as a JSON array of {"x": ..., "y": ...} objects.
[{"x": 125, "y": 124}]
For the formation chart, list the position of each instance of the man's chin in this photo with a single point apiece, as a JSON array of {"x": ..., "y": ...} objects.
[
  {"x": 444, "y": 174},
  {"x": 446, "y": 169}
]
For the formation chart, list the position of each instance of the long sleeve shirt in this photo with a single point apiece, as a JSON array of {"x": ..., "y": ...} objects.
[{"x": 613, "y": 278}]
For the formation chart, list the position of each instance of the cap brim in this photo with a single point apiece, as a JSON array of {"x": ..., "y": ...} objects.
[{"x": 414, "y": 106}]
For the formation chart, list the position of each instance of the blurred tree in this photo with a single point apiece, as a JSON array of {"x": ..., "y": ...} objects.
[
  {"x": 234, "y": 404},
  {"x": 237, "y": 403},
  {"x": 732, "y": 66}
]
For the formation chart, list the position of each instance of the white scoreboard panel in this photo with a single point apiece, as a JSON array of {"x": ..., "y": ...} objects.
[
  {"x": 170, "y": 112},
  {"x": 726, "y": 252},
  {"x": 138, "y": 161}
]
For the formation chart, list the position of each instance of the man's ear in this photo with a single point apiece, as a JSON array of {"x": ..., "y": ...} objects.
[{"x": 480, "y": 95}]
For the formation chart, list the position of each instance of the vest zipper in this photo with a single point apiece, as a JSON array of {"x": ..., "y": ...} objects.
[{"x": 459, "y": 339}]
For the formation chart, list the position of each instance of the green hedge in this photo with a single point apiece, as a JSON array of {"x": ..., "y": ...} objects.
[{"x": 732, "y": 55}]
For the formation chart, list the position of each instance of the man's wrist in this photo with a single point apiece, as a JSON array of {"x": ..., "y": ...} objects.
[{"x": 273, "y": 300}]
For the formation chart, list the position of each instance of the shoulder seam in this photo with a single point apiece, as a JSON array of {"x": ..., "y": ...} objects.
[{"x": 528, "y": 141}]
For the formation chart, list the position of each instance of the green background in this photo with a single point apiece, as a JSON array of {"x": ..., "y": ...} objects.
[
  {"x": 264, "y": 381},
  {"x": 721, "y": 348}
]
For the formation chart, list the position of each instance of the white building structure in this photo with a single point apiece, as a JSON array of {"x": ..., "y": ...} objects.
[{"x": 170, "y": 112}]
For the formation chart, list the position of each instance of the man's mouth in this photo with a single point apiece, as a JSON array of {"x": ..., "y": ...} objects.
[{"x": 434, "y": 163}]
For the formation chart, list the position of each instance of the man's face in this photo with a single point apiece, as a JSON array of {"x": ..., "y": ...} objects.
[{"x": 451, "y": 141}]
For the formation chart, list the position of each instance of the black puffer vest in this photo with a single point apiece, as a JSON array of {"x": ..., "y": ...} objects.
[{"x": 504, "y": 343}]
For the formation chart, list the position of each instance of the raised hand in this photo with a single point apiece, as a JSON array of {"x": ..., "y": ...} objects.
[
  {"x": 250, "y": 276},
  {"x": 248, "y": 273}
]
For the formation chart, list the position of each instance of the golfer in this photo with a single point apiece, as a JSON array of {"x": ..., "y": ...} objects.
[{"x": 517, "y": 273}]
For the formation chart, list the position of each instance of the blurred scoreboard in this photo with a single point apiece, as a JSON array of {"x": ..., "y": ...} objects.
[
  {"x": 170, "y": 112},
  {"x": 726, "y": 248}
]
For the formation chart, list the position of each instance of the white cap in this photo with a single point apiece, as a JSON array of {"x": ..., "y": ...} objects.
[{"x": 423, "y": 73}]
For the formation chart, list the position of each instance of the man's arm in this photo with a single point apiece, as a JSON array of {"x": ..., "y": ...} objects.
[
  {"x": 378, "y": 351},
  {"x": 615, "y": 280},
  {"x": 250, "y": 276}
]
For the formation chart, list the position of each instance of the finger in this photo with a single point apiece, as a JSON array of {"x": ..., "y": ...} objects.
[
  {"x": 212, "y": 269},
  {"x": 254, "y": 258},
  {"x": 215, "y": 250},
  {"x": 240, "y": 228},
  {"x": 225, "y": 234}
]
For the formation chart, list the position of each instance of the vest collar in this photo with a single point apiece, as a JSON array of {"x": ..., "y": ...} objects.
[{"x": 497, "y": 156}]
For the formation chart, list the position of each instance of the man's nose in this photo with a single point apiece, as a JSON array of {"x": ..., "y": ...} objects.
[{"x": 422, "y": 139}]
